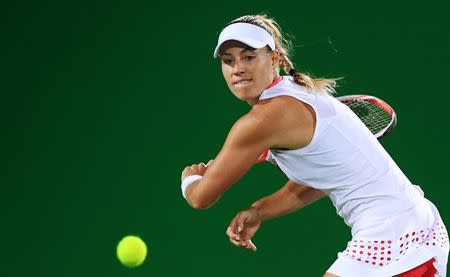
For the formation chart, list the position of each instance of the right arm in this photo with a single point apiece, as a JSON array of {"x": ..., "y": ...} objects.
[
  {"x": 279, "y": 122},
  {"x": 289, "y": 198}
]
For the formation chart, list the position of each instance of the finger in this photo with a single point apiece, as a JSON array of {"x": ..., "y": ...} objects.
[
  {"x": 185, "y": 172},
  {"x": 233, "y": 226},
  {"x": 231, "y": 234},
  {"x": 201, "y": 168},
  {"x": 250, "y": 245},
  {"x": 236, "y": 223},
  {"x": 240, "y": 228},
  {"x": 209, "y": 163},
  {"x": 236, "y": 242},
  {"x": 241, "y": 223}
]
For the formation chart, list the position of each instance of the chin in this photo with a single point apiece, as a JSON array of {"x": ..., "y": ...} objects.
[
  {"x": 244, "y": 95},
  {"x": 247, "y": 98}
]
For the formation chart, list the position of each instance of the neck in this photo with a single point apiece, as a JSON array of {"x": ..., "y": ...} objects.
[
  {"x": 275, "y": 81},
  {"x": 252, "y": 102}
]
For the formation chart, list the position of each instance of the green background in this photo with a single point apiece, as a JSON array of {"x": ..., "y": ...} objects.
[{"x": 104, "y": 103}]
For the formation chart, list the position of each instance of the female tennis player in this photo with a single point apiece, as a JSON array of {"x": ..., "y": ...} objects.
[{"x": 324, "y": 150}]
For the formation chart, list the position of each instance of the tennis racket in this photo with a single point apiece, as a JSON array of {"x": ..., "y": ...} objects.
[{"x": 375, "y": 113}]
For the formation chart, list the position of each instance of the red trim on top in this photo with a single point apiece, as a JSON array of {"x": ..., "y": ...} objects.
[
  {"x": 263, "y": 156},
  {"x": 275, "y": 82}
]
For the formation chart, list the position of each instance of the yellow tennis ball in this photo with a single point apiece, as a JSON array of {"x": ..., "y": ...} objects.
[{"x": 131, "y": 251}]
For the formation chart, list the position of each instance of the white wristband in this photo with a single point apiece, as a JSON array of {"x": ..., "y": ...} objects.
[{"x": 187, "y": 181}]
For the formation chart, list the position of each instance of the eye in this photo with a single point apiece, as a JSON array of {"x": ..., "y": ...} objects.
[
  {"x": 248, "y": 58},
  {"x": 227, "y": 61}
]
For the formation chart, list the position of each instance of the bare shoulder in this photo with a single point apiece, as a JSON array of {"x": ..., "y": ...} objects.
[
  {"x": 253, "y": 126},
  {"x": 289, "y": 121},
  {"x": 281, "y": 106}
]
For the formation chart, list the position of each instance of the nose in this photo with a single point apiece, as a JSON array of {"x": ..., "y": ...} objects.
[{"x": 238, "y": 67}]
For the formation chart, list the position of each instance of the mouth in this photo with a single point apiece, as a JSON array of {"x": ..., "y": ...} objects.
[{"x": 242, "y": 82}]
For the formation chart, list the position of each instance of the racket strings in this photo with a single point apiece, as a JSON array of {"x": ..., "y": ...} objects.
[{"x": 373, "y": 116}]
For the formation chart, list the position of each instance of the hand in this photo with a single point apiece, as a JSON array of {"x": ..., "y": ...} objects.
[
  {"x": 195, "y": 169},
  {"x": 242, "y": 228}
]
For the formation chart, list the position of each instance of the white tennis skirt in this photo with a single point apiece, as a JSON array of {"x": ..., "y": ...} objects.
[{"x": 396, "y": 245}]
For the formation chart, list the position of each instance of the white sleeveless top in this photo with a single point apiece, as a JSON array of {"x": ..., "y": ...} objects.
[
  {"x": 366, "y": 186},
  {"x": 345, "y": 160}
]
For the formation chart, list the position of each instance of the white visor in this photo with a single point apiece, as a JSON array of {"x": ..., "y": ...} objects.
[{"x": 252, "y": 35}]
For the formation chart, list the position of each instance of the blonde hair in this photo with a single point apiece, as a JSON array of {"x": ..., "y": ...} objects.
[{"x": 283, "y": 46}]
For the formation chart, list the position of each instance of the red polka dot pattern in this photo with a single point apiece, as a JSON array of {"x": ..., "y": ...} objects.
[
  {"x": 377, "y": 253},
  {"x": 381, "y": 252}
]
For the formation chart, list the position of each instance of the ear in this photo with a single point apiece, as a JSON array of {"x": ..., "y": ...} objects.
[{"x": 275, "y": 58}]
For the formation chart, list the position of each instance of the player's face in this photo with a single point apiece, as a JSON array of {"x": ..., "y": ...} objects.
[{"x": 248, "y": 71}]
